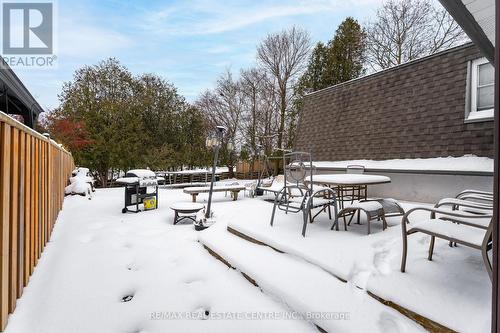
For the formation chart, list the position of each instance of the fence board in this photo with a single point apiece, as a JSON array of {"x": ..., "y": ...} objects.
[
  {"x": 13, "y": 225},
  {"x": 20, "y": 235},
  {"x": 4, "y": 225},
  {"x": 27, "y": 210}
]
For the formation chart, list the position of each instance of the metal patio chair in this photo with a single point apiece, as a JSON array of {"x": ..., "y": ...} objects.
[
  {"x": 297, "y": 196},
  {"x": 456, "y": 227},
  {"x": 355, "y": 168},
  {"x": 476, "y": 196}
]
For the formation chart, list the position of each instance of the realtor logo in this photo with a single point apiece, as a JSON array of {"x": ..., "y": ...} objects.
[{"x": 27, "y": 28}]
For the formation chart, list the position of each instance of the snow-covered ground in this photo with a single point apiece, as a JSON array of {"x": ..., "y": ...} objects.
[
  {"x": 98, "y": 257},
  {"x": 454, "y": 289}
]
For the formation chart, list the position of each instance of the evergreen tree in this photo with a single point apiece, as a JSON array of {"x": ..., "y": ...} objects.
[{"x": 340, "y": 60}]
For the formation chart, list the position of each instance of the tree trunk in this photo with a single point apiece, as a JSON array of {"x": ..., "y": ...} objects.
[
  {"x": 282, "y": 118},
  {"x": 231, "y": 171},
  {"x": 103, "y": 175}
]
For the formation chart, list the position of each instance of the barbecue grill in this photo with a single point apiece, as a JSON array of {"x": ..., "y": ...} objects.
[{"x": 141, "y": 187}]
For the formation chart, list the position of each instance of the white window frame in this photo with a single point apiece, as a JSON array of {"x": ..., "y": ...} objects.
[{"x": 471, "y": 113}]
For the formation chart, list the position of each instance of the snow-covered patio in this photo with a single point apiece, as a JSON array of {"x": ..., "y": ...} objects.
[{"x": 104, "y": 271}]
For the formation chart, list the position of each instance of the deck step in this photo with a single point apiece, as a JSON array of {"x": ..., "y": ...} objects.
[{"x": 329, "y": 303}]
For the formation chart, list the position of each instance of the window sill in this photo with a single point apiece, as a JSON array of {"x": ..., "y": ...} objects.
[{"x": 476, "y": 117}]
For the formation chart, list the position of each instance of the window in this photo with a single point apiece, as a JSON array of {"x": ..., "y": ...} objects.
[{"x": 481, "y": 91}]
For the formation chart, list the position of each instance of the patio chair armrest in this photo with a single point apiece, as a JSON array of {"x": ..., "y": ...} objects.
[
  {"x": 466, "y": 192},
  {"x": 462, "y": 203},
  {"x": 435, "y": 211},
  {"x": 477, "y": 198},
  {"x": 326, "y": 189}
]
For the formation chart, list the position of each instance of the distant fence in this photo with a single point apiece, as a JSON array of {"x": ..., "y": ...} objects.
[
  {"x": 33, "y": 174},
  {"x": 244, "y": 169}
]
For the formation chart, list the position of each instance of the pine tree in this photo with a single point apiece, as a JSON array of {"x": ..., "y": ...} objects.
[{"x": 340, "y": 60}]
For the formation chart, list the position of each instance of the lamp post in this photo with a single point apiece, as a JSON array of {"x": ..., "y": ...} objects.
[{"x": 214, "y": 142}]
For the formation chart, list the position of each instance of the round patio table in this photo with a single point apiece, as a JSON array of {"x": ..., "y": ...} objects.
[
  {"x": 186, "y": 210},
  {"x": 345, "y": 179},
  {"x": 349, "y": 186}
]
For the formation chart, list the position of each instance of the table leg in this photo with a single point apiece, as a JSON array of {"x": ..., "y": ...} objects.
[
  {"x": 235, "y": 195},
  {"x": 194, "y": 196}
]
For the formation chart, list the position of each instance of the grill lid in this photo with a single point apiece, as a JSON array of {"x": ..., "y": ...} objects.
[{"x": 141, "y": 173}]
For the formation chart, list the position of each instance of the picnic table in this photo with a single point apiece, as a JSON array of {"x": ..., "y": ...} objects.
[
  {"x": 234, "y": 189},
  {"x": 349, "y": 186}
]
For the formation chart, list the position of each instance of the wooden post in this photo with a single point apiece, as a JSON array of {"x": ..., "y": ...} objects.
[
  {"x": 14, "y": 206},
  {"x": 22, "y": 206},
  {"x": 4, "y": 222},
  {"x": 32, "y": 205},
  {"x": 27, "y": 209}
]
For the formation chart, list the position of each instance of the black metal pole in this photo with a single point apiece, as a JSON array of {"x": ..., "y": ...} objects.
[{"x": 214, "y": 165}]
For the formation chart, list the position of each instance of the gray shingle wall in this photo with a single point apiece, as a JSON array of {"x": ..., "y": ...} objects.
[{"x": 411, "y": 111}]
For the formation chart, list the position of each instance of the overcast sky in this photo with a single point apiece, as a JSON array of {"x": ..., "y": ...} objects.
[{"x": 187, "y": 42}]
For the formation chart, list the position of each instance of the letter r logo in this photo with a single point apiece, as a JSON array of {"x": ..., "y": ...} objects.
[{"x": 27, "y": 28}]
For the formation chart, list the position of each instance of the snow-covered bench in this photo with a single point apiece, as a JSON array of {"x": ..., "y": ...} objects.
[{"x": 234, "y": 189}]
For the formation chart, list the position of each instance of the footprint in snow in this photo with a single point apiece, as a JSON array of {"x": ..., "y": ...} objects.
[
  {"x": 132, "y": 267},
  {"x": 191, "y": 282},
  {"x": 359, "y": 275},
  {"x": 202, "y": 313},
  {"x": 388, "y": 323},
  {"x": 384, "y": 253}
]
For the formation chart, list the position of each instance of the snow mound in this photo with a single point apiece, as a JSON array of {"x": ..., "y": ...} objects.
[
  {"x": 462, "y": 163},
  {"x": 81, "y": 183}
]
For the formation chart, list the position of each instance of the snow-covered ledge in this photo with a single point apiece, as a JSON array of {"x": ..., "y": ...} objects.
[{"x": 423, "y": 180}]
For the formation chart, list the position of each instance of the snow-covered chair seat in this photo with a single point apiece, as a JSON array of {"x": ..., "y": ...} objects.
[
  {"x": 446, "y": 227},
  {"x": 391, "y": 206},
  {"x": 372, "y": 209}
]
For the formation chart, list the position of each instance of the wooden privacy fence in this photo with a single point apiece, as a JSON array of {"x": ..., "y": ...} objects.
[{"x": 33, "y": 173}]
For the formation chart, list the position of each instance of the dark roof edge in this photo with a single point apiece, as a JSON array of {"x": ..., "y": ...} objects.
[
  {"x": 469, "y": 24},
  {"x": 397, "y": 67},
  {"x": 15, "y": 84}
]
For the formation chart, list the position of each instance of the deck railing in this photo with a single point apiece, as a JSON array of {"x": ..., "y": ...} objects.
[{"x": 33, "y": 173}]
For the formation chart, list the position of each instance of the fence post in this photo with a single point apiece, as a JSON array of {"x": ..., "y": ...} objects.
[{"x": 4, "y": 222}]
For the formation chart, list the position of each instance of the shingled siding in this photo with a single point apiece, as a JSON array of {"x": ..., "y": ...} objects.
[{"x": 414, "y": 110}]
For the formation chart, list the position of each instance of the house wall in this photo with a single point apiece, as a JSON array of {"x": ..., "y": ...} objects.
[
  {"x": 428, "y": 187},
  {"x": 415, "y": 110}
]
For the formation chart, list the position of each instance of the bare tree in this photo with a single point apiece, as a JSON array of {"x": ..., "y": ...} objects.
[
  {"x": 223, "y": 106},
  {"x": 260, "y": 121},
  {"x": 404, "y": 30},
  {"x": 284, "y": 55}
]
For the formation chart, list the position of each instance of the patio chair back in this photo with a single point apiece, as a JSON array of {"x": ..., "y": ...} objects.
[
  {"x": 297, "y": 170},
  {"x": 297, "y": 193},
  {"x": 355, "y": 168}
]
